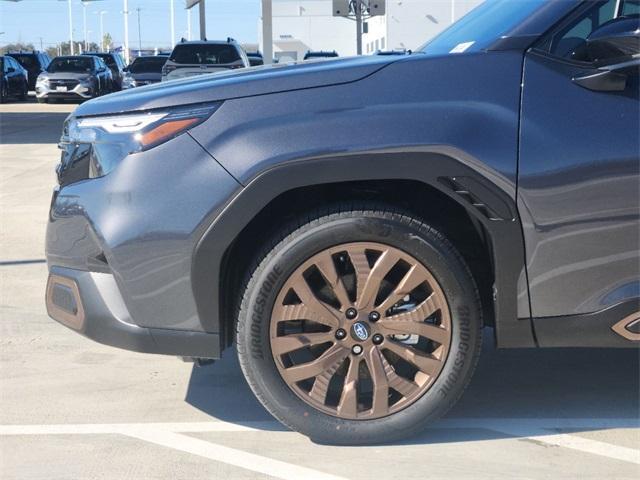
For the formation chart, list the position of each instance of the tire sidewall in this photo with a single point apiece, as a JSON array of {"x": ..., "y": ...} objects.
[{"x": 419, "y": 241}]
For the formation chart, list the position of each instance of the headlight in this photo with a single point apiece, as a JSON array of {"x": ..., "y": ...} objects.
[{"x": 112, "y": 138}]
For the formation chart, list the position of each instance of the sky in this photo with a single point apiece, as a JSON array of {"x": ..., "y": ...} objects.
[{"x": 29, "y": 20}]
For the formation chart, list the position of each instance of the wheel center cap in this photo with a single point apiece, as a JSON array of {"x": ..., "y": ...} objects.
[{"x": 360, "y": 331}]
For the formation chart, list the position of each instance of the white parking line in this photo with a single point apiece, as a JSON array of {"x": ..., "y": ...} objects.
[
  {"x": 172, "y": 435},
  {"x": 231, "y": 456}
]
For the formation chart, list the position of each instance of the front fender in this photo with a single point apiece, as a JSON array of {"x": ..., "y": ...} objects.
[{"x": 443, "y": 168}]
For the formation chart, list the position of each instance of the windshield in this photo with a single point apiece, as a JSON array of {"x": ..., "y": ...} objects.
[
  {"x": 147, "y": 65},
  {"x": 70, "y": 64},
  {"x": 203, "y": 54},
  {"x": 482, "y": 26}
]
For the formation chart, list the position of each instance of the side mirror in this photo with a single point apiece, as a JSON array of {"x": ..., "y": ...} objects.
[
  {"x": 614, "y": 42},
  {"x": 11, "y": 70},
  {"x": 614, "y": 50}
]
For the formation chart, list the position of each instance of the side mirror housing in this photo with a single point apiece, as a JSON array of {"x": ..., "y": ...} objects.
[
  {"x": 11, "y": 70},
  {"x": 614, "y": 50},
  {"x": 615, "y": 42}
]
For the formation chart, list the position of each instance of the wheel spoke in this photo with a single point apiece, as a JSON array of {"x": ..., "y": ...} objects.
[
  {"x": 328, "y": 270},
  {"x": 424, "y": 362},
  {"x": 317, "y": 310},
  {"x": 321, "y": 384},
  {"x": 374, "y": 361},
  {"x": 404, "y": 387},
  {"x": 348, "y": 405},
  {"x": 369, "y": 279},
  {"x": 414, "y": 277},
  {"x": 333, "y": 355},
  {"x": 290, "y": 343}
]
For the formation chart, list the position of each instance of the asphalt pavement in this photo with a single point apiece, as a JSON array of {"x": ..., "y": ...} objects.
[{"x": 74, "y": 409}]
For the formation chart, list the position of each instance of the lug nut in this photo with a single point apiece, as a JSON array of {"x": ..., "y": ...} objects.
[
  {"x": 341, "y": 334},
  {"x": 374, "y": 316},
  {"x": 356, "y": 349},
  {"x": 377, "y": 339},
  {"x": 351, "y": 313}
]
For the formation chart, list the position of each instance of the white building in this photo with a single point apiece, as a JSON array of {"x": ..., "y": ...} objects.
[{"x": 303, "y": 25}]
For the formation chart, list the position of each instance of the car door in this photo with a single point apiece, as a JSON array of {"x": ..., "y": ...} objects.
[
  {"x": 13, "y": 77},
  {"x": 578, "y": 187}
]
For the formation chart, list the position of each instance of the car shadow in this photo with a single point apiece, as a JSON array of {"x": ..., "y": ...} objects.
[{"x": 563, "y": 386}]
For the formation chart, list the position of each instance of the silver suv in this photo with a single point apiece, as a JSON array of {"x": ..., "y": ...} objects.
[{"x": 189, "y": 59}]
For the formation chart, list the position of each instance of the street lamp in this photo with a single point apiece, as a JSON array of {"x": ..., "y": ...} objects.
[
  {"x": 101, "y": 13},
  {"x": 84, "y": 21}
]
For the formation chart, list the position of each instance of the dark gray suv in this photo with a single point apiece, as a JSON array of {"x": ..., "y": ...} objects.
[{"x": 352, "y": 225}]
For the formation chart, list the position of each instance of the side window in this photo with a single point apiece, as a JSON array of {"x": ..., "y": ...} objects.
[
  {"x": 631, "y": 7},
  {"x": 568, "y": 41}
]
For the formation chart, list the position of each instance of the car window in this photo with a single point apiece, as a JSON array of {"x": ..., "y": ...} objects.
[
  {"x": 28, "y": 61},
  {"x": 147, "y": 65},
  {"x": 631, "y": 7},
  {"x": 205, "y": 54},
  {"x": 71, "y": 64},
  {"x": 568, "y": 40}
]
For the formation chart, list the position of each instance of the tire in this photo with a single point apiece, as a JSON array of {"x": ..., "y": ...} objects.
[
  {"x": 42, "y": 100},
  {"x": 4, "y": 94},
  {"x": 391, "y": 232}
]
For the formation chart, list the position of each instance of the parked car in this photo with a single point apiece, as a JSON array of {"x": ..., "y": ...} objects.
[
  {"x": 144, "y": 70},
  {"x": 352, "y": 226},
  {"x": 320, "y": 54},
  {"x": 255, "y": 59},
  {"x": 115, "y": 63},
  {"x": 13, "y": 80},
  {"x": 78, "y": 77},
  {"x": 33, "y": 62},
  {"x": 189, "y": 59}
]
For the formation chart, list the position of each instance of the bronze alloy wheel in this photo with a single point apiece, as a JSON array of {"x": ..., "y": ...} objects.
[{"x": 360, "y": 330}]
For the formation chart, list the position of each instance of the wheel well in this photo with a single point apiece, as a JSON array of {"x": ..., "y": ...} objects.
[{"x": 434, "y": 207}]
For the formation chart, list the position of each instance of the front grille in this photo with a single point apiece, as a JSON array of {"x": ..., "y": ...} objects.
[{"x": 70, "y": 84}]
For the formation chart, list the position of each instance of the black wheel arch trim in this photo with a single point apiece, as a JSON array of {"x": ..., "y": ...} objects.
[{"x": 439, "y": 167}]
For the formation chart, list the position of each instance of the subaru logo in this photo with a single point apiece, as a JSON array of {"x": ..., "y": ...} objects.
[{"x": 360, "y": 331}]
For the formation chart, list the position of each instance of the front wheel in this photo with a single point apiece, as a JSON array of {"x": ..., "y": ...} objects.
[{"x": 359, "y": 327}]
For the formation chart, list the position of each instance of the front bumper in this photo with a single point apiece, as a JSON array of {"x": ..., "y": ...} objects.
[
  {"x": 124, "y": 243},
  {"x": 90, "y": 303},
  {"x": 79, "y": 91}
]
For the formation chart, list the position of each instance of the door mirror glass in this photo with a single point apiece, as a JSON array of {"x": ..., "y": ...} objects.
[
  {"x": 614, "y": 42},
  {"x": 11, "y": 70}
]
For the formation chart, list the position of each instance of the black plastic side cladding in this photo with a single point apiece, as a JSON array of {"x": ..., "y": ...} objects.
[{"x": 428, "y": 167}]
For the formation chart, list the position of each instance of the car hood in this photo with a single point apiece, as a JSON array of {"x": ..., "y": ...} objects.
[
  {"x": 66, "y": 75},
  {"x": 238, "y": 83}
]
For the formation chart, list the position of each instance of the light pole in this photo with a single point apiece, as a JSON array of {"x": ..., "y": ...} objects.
[
  {"x": 173, "y": 24},
  {"x": 70, "y": 27},
  {"x": 101, "y": 13},
  {"x": 267, "y": 31},
  {"x": 126, "y": 31},
  {"x": 139, "y": 33},
  {"x": 189, "y": 24}
]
